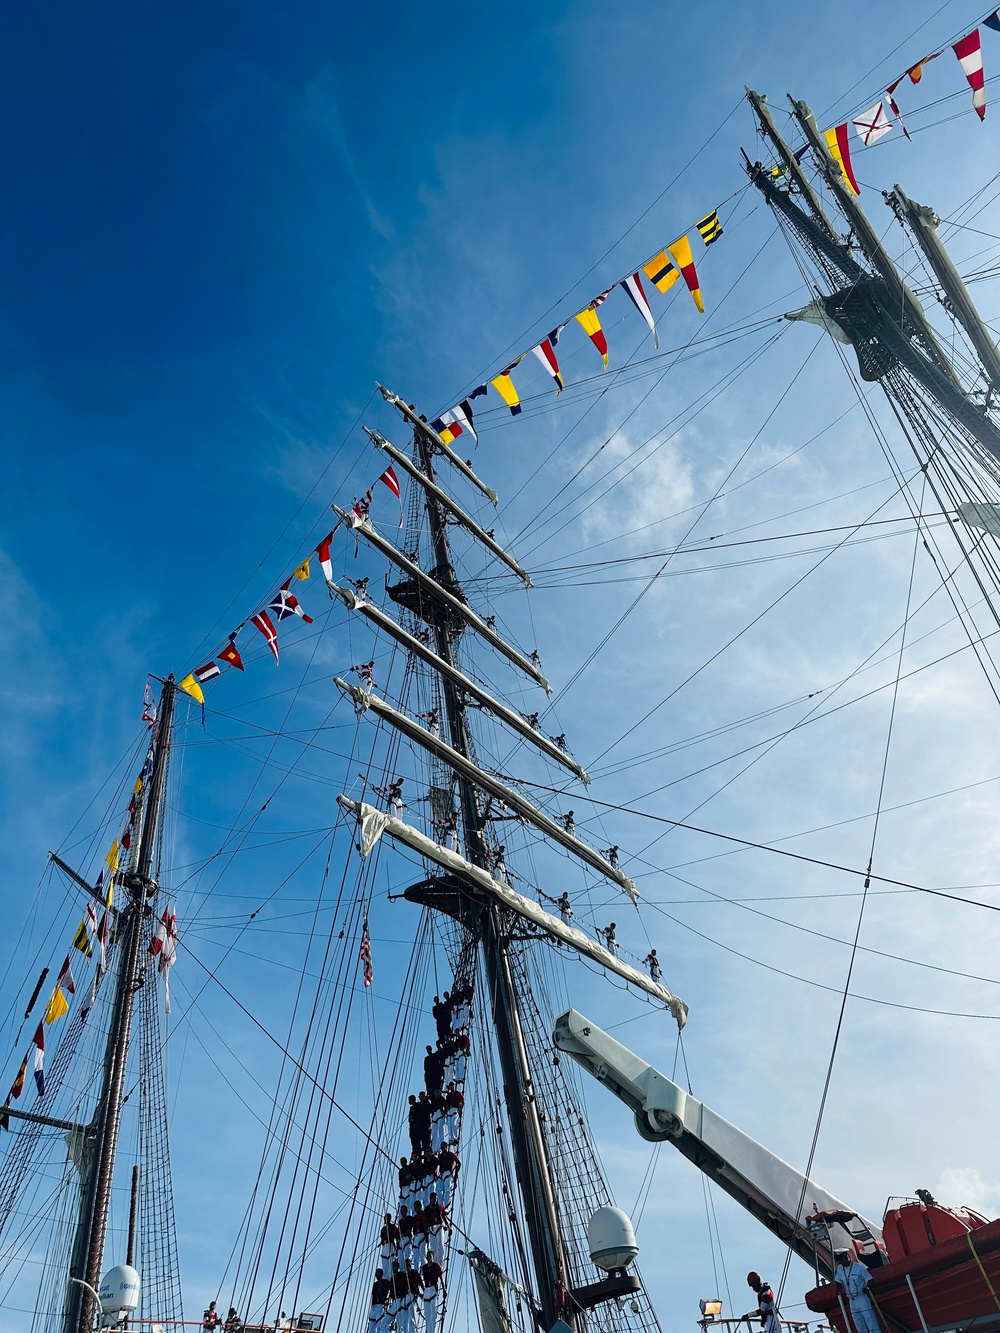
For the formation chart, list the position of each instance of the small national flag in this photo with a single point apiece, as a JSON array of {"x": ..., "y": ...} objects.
[
  {"x": 302, "y": 571},
  {"x": 872, "y": 124},
  {"x": 993, "y": 20},
  {"x": 285, "y": 604},
  {"x": 262, "y": 621},
  {"x": 39, "y": 1040},
  {"x": 190, "y": 686},
  {"x": 634, "y": 292},
  {"x": 231, "y": 654},
  {"x": 591, "y": 325},
  {"x": 840, "y": 151},
  {"x": 546, "y": 354},
  {"x": 504, "y": 386},
  {"x": 56, "y": 1007},
  {"x": 148, "y": 706},
  {"x": 147, "y": 765},
  {"x": 779, "y": 170},
  {"x": 360, "y": 507},
  {"x": 683, "y": 258},
  {"x": 970, "y": 57},
  {"x": 710, "y": 228},
  {"x": 661, "y": 272},
  {"x": 365, "y": 955},
  {"x": 207, "y": 672}
]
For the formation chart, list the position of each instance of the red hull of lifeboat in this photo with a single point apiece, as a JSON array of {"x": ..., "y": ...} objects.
[{"x": 949, "y": 1284}]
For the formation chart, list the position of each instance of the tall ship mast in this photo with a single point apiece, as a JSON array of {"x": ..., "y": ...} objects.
[{"x": 453, "y": 803}]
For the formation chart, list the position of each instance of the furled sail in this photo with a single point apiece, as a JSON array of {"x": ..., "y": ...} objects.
[
  {"x": 373, "y": 823},
  {"x": 460, "y": 608},
  {"x": 513, "y": 719},
  {"x": 446, "y": 502},
  {"x": 363, "y": 701}
]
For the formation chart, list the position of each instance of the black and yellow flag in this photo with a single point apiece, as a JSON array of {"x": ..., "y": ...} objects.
[{"x": 710, "y": 228}]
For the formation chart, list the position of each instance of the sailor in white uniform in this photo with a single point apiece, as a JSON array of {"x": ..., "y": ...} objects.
[{"x": 853, "y": 1278}]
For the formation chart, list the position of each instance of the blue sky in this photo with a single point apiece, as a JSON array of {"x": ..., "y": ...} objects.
[{"x": 222, "y": 225}]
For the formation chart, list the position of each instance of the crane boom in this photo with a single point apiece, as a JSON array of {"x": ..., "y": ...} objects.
[{"x": 776, "y": 1194}]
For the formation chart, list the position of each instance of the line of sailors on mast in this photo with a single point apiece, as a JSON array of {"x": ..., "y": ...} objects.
[{"x": 411, "y": 1277}]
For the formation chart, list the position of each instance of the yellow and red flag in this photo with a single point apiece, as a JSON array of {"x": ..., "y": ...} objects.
[
  {"x": 840, "y": 151},
  {"x": 683, "y": 258}
]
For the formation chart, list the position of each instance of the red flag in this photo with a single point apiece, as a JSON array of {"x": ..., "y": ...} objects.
[
  {"x": 547, "y": 355},
  {"x": 323, "y": 551},
  {"x": 389, "y": 478},
  {"x": 17, "y": 1087},
  {"x": 365, "y": 954},
  {"x": 231, "y": 655},
  {"x": 970, "y": 57},
  {"x": 262, "y": 621},
  {"x": 65, "y": 977}
]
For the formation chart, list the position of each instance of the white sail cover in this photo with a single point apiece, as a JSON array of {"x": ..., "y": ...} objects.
[
  {"x": 985, "y": 517},
  {"x": 373, "y": 823}
]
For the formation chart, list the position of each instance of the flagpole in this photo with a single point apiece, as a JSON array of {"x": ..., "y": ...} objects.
[{"x": 140, "y": 888}]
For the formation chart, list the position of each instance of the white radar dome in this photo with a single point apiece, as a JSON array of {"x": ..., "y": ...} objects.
[
  {"x": 119, "y": 1289},
  {"x": 611, "y": 1239}
]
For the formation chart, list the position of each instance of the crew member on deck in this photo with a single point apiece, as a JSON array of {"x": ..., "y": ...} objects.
[
  {"x": 233, "y": 1324},
  {"x": 212, "y": 1317},
  {"x": 853, "y": 1278},
  {"x": 766, "y": 1310}
]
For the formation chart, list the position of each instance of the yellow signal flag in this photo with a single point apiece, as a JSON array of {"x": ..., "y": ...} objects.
[
  {"x": 57, "y": 1006},
  {"x": 683, "y": 258},
  {"x": 303, "y": 570},
  {"x": 138, "y": 787},
  {"x": 661, "y": 272},
  {"x": 190, "y": 686},
  {"x": 111, "y": 860},
  {"x": 840, "y": 150},
  {"x": 504, "y": 386},
  {"x": 591, "y": 326}
]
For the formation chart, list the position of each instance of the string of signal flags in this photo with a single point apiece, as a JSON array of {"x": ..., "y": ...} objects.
[
  {"x": 673, "y": 263},
  {"x": 875, "y": 123},
  {"x": 670, "y": 265},
  {"x": 92, "y": 932}
]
